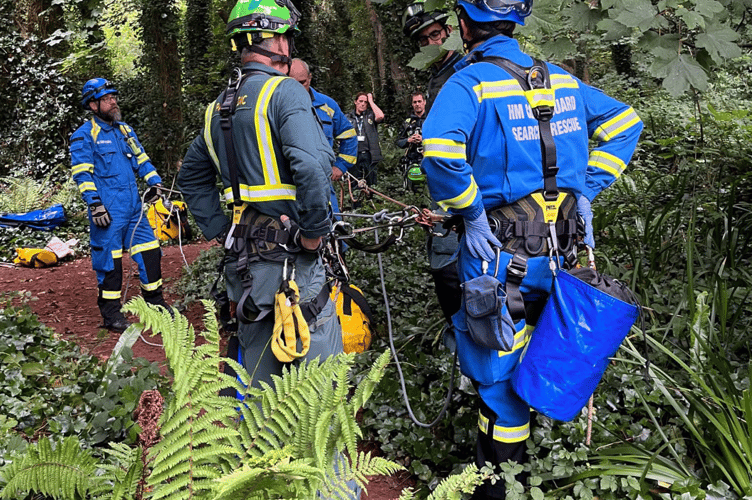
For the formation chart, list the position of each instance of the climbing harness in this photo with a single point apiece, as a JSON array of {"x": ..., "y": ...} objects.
[{"x": 544, "y": 222}]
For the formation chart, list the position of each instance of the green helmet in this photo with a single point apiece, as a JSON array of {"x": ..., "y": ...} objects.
[{"x": 262, "y": 19}]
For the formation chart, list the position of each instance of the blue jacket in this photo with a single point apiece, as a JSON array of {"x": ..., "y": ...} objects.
[
  {"x": 106, "y": 159},
  {"x": 336, "y": 126},
  {"x": 481, "y": 142}
]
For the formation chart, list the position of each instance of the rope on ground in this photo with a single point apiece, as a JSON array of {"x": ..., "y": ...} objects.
[{"x": 448, "y": 398}]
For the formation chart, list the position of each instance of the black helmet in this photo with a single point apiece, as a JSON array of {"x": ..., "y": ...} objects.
[{"x": 416, "y": 18}]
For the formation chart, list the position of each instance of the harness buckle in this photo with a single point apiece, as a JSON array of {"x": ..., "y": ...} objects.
[
  {"x": 517, "y": 268},
  {"x": 543, "y": 113}
]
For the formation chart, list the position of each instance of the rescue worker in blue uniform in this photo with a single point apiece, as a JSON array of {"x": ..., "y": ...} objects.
[
  {"x": 106, "y": 159},
  {"x": 336, "y": 126},
  {"x": 484, "y": 155},
  {"x": 283, "y": 163},
  {"x": 430, "y": 28}
]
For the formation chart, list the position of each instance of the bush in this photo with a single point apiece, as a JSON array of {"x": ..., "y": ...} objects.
[{"x": 49, "y": 386}]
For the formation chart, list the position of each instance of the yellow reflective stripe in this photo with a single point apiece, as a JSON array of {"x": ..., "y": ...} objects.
[
  {"x": 540, "y": 97},
  {"x": 464, "y": 200},
  {"x": 329, "y": 111},
  {"x": 207, "y": 133},
  {"x": 563, "y": 82},
  {"x": 346, "y": 134},
  {"x": 87, "y": 186},
  {"x": 95, "y": 129},
  {"x": 117, "y": 254},
  {"x": 111, "y": 294},
  {"x": 151, "y": 245},
  {"x": 616, "y": 125},
  {"x": 520, "y": 340},
  {"x": 82, "y": 167},
  {"x": 150, "y": 287},
  {"x": 494, "y": 90},
  {"x": 150, "y": 175},
  {"x": 264, "y": 131},
  {"x": 143, "y": 157},
  {"x": 348, "y": 158},
  {"x": 444, "y": 148},
  {"x": 504, "y": 434},
  {"x": 262, "y": 193},
  {"x": 608, "y": 162}
]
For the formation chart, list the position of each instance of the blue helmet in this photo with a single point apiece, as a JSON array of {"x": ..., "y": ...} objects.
[
  {"x": 96, "y": 88},
  {"x": 489, "y": 11}
]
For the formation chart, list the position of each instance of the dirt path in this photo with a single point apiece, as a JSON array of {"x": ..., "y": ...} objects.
[{"x": 65, "y": 299}]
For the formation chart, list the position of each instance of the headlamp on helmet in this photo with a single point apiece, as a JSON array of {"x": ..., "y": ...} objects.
[
  {"x": 259, "y": 19},
  {"x": 416, "y": 18}
]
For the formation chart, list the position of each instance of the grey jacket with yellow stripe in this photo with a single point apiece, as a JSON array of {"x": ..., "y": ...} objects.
[{"x": 283, "y": 158}]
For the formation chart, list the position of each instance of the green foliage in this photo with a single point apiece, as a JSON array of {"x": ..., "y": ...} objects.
[
  {"x": 196, "y": 280},
  {"x": 60, "y": 471},
  {"x": 24, "y": 194},
  {"x": 49, "y": 385},
  {"x": 38, "y": 108},
  {"x": 288, "y": 443},
  {"x": 454, "y": 486},
  {"x": 158, "y": 105},
  {"x": 677, "y": 42}
]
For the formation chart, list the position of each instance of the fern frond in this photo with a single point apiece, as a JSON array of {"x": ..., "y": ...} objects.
[
  {"x": 465, "y": 482},
  {"x": 407, "y": 494},
  {"x": 120, "y": 479},
  {"x": 63, "y": 470},
  {"x": 277, "y": 477},
  {"x": 368, "y": 384}
]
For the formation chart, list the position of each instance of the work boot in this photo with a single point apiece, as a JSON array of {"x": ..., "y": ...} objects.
[
  {"x": 157, "y": 299},
  {"x": 113, "y": 318},
  {"x": 118, "y": 325}
]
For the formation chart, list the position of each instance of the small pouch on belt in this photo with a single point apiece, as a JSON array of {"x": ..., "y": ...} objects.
[{"x": 488, "y": 319}]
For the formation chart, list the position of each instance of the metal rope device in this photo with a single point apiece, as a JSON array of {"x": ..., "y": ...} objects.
[{"x": 395, "y": 223}]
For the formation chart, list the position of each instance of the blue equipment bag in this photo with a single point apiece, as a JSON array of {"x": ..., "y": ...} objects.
[
  {"x": 581, "y": 326},
  {"x": 488, "y": 319},
  {"x": 42, "y": 220}
]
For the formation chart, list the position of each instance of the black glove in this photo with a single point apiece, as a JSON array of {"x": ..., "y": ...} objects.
[
  {"x": 222, "y": 237},
  {"x": 153, "y": 194},
  {"x": 99, "y": 214}
]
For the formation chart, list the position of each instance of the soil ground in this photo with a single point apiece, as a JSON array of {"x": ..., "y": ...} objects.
[{"x": 65, "y": 299}]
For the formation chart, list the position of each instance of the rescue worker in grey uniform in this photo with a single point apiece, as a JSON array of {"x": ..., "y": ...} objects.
[{"x": 283, "y": 164}]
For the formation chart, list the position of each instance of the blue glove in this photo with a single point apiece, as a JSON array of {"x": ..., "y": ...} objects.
[
  {"x": 479, "y": 238},
  {"x": 586, "y": 212}
]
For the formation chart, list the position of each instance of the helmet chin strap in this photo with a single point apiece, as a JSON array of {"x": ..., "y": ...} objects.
[{"x": 273, "y": 56}]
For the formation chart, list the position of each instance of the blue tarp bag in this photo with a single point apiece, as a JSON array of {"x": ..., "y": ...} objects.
[
  {"x": 42, "y": 220},
  {"x": 580, "y": 328}
]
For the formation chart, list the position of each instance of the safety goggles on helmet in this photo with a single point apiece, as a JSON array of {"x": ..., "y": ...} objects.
[{"x": 521, "y": 7}]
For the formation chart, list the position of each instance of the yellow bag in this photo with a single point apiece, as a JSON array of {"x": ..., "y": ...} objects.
[
  {"x": 355, "y": 317},
  {"x": 169, "y": 224},
  {"x": 35, "y": 257}
]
